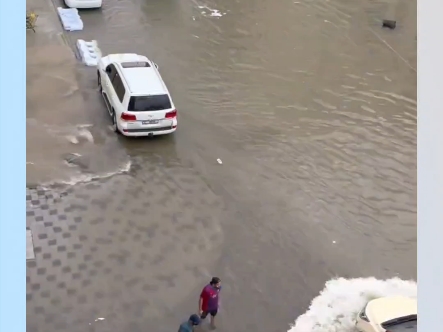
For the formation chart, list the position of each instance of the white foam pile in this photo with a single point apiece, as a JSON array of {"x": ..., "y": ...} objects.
[
  {"x": 337, "y": 306},
  {"x": 70, "y": 18},
  {"x": 89, "y": 52}
]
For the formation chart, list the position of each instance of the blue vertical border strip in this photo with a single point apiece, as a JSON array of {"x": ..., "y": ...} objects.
[
  {"x": 12, "y": 166},
  {"x": 430, "y": 164}
]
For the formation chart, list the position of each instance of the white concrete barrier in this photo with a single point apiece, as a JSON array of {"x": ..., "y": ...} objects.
[
  {"x": 70, "y": 18},
  {"x": 89, "y": 52}
]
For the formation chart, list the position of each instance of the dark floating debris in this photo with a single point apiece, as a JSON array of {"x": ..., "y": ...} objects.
[
  {"x": 77, "y": 160},
  {"x": 389, "y": 24}
]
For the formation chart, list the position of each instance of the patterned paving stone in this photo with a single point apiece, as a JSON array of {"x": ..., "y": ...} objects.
[{"x": 128, "y": 255}]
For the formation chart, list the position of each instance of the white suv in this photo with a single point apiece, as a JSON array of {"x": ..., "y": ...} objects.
[
  {"x": 137, "y": 99},
  {"x": 388, "y": 314}
]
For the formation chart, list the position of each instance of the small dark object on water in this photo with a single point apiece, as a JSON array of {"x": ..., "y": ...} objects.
[{"x": 389, "y": 24}]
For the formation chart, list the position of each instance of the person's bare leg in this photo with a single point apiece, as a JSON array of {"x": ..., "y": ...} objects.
[{"x": 212, "y": 322}]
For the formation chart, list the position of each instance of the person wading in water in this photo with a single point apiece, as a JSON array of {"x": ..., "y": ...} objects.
[
  {"x": 209, "y": 300},
  {"x": 190, "y": 324}
]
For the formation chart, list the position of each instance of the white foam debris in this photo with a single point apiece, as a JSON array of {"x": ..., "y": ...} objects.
[
  {"x": 89, "y": 52},
  {"x": 70, "y": 18},
  {"x": 86, "y": 178},
  {"x": 72, "y": 139},
  {"x": 86, "y": 134},
  {"x": 337, "y": 305},
  {"x": 219, "y": 161},
  {"x": 212, "y": 12},
  {"x": 86, "y": 125},
  {"x": 216, "y": 13}
]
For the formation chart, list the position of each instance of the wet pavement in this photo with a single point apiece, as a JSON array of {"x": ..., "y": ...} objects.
[
  {"x": 310, "y": 105},
  {"x": 132, "y": 269}
]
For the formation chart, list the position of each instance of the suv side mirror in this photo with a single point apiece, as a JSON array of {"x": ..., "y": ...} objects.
[{"x": 156, "y": 65}]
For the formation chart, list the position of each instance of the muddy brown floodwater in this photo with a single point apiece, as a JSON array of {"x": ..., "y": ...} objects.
[{"x": 310, "y": 105}]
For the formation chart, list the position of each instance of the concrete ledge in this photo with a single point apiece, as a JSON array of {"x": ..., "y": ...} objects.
[{"x": 30, "y": 255}]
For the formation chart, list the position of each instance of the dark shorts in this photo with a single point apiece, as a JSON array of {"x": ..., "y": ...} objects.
[{"x": 204, "y": 314}]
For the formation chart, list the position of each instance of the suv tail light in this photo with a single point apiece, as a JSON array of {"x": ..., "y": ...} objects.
[
  {"x": 128, "y": 117},
  {"x": 171, "y": 115}
]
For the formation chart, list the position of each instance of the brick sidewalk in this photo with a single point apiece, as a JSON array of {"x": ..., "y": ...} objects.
[{"x": 101, "y": 252}]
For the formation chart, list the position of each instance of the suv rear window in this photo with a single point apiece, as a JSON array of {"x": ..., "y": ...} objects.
[
  {"x": 149, "y": 103},
  {"x": 402, "y": 324},
  {"x": 135, "y": 64}
]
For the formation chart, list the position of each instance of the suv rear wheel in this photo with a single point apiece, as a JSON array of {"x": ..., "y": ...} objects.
[
  {"x": 114, "y": 122},
  {"x": 99, "y": 81}
]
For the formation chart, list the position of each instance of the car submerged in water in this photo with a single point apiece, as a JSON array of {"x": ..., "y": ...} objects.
[{"x": 388, "y": 314}]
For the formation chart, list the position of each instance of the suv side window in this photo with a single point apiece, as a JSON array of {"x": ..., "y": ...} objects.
[
  {"x": 111, "y": 71},
  {"x": 119, "y": 87}
]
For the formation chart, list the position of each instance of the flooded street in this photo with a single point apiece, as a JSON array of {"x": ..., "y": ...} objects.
[{"x": 310, "y": 105}]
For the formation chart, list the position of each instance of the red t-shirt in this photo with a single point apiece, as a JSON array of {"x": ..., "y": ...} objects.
[{"x": 209, "y": 296}]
